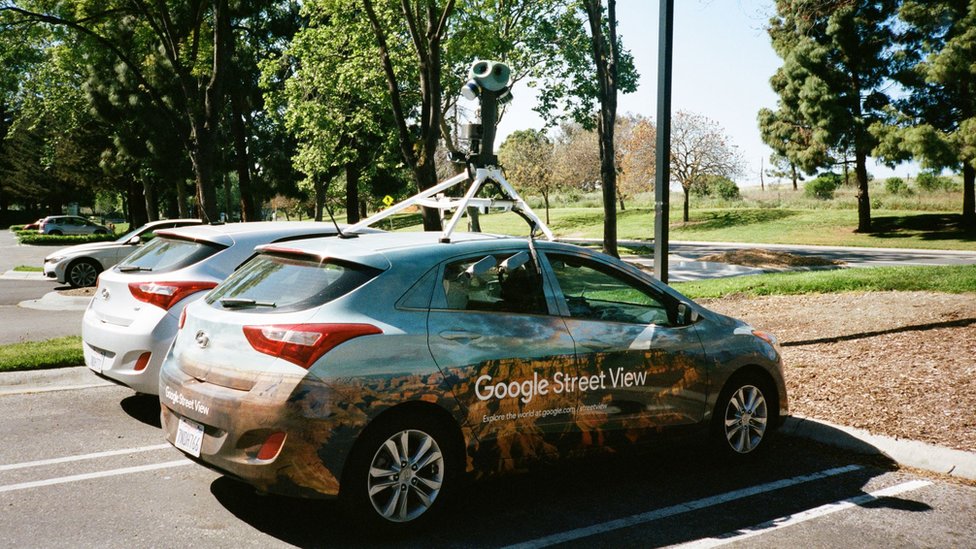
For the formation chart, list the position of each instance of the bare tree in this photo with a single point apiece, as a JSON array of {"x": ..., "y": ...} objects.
[{"x": 699, "y": 148}]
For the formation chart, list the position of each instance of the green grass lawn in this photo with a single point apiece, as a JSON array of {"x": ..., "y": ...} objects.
[
  {"x": 949, "y": 279},
  {"x": 32, "y": 355},
  {"x": 833, "y": 227},
  {"x": 28, "y": 269}
]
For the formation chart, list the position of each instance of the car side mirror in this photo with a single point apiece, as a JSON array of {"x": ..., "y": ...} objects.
[
  {"x": 687, "y": 315},
  {"x": 134, "y": 241}
]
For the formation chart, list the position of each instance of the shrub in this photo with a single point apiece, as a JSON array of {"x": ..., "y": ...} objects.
[
  {"x": 931, "y": 182},
  {"x": 724, "y": 187},
  {"x": 34, "y": 238},
  {"x": 823, "y": 186},
  {"x": 16, "y": 228},
  {"x": 897, "y": 186}
]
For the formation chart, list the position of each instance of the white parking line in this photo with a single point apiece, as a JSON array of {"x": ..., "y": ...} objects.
[
  {"x": 804, "y": 516},
  {"x": 100, "y": 474},
  {"x": 666, "y": 512},
  {"x": 81, "y": 457}
]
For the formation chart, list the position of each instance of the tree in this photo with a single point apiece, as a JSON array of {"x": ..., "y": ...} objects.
[
  {"x": 836, "y": 58},
  {"x": 576, "y": 158},
  {"x": 527, "y": 158},
  {"x": 700, "y": 148},
  {"x": 782, "y": 167},
  {"x": 635, "y": 156},
  {"x": 938, "y": 116}
]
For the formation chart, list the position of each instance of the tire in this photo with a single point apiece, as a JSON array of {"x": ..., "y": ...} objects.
[
  {"x": 389, "y": 490},
  {"x": 100, "y": 231},
  {"x": 744, "y": 417},
  {"x": 82, "y": 272}
]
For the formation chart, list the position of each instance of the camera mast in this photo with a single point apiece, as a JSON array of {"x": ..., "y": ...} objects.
[{"x": 488, "y": 83}]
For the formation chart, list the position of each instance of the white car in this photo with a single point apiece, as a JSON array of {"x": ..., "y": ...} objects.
[
  {"x": 80, "y": 265},
  {"x": 69, "y": 225},
  {"x": 132, "y": 318}
]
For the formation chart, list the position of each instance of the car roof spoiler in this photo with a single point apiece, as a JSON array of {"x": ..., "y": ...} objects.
[{"x": 434, "y": 198}]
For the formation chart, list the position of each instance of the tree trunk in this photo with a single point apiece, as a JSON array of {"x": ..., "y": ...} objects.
[
  {"x": 149, "y": 196},
  {"x": 228, "y": 203},
  {"x": 545, "y": 200},
  {"x": 181, "y": 200},
  {"x": 795, "y": 176},
  {"x": 242, "y": 158},
  {"x": 863, "y": 200},
  {"x": 352, "y": 192},
  {"x": 137, "y": 205},
  {"x": 968, "y": 195},
  {"x": 319, "y": 200},
  {"x": 685, "y": 217},
  {"x": 474, "y": 219}
]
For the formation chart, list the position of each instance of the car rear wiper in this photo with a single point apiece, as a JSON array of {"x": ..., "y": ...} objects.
[
  {"x": 240, "y": 303},
  {"x": 133, "y": 269}
]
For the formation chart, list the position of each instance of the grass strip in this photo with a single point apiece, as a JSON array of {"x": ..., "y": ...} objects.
[
  {"x": 28, "y": 269},
  {"x": 34, "y": 355},
  {"x": 949, "y": 279}
]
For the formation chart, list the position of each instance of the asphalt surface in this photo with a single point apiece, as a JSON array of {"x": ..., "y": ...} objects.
[{"x": 89, "y": 468}]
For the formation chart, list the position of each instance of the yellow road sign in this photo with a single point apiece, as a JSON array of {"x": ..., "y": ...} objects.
[{"x": 388, "y": 200}]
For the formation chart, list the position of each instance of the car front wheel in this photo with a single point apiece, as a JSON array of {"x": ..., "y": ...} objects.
[
  {"x": 743, "y": 421},
  {"x": 83, "y": 272},
  {"x": 399, "y": 473}
]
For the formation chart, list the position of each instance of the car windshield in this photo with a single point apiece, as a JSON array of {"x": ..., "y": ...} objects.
[
  {"x": 283, "y": 283},
  {"x": 166, "y": 253},
  {"x": 125, "y": 238}
]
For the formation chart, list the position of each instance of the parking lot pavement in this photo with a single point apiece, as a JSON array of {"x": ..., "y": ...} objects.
[{"x": 89, "y": 467}]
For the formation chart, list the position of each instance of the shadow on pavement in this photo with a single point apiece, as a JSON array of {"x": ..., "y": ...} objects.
[
  {"x": 580, "y": 493},
  {"x": 144, "y": 408}
]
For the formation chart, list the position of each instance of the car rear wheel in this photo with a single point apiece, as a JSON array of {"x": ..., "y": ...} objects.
[
  {"x": 83, "y": 272},
  {"x": 742, "y": 419},
  {"x": 398, "y": 473}
]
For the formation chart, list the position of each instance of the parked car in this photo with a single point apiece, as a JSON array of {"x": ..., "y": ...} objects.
[
  {"x": 132, "y": 317},
  {"x": 69, "y": 225},
  {"x": 35, "y": 226},
  {"x": 80, "y": 265},
  {"x": 380, "y": 369}
]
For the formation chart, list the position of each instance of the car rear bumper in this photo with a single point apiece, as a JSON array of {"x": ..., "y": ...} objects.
[
  {"x": 113, "y": 351},
  {"x": 238, "y": 422}
]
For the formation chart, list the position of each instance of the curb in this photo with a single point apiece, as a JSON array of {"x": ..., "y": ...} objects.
[
  {"x": 24, "y": 275},
  {"x": 53, "y": 301},
  {"x": 55, "y": 379},
  {"x": 910, "y": 453}
]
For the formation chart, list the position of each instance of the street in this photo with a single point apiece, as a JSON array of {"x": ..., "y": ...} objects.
[{"x": 89, "y": 467}]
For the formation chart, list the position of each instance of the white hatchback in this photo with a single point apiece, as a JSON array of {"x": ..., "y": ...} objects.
[{"x": 132, "y": 318}]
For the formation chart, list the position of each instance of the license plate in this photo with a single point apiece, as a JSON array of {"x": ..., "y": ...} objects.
[
  {"x": 97, "y": 360},
  {"x": 189, "y": 437}
]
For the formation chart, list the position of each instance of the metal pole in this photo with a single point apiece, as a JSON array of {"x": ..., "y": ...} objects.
[{"x": 662, "y": 173}]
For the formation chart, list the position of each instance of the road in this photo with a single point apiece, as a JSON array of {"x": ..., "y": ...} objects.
[{"x": 89, "y": 467}]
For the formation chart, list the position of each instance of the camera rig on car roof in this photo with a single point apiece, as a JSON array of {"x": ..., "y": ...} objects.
[{"x": 488, "y": 83}]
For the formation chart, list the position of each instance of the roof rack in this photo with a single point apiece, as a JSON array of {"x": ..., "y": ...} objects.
[{"x": 433, "y": 198}]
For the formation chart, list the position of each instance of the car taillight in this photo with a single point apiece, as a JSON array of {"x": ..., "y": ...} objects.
[
  {"x": 303, "y": 344},
  {"x": 165, "y": 294},
  {"x": 142, "y": 361},
  {"x": 271, "y": 447}
]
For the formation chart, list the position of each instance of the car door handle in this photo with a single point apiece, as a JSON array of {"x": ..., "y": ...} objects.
[
  {"x": 460, "y": 335},
  {"x": 595, "y": 345}
]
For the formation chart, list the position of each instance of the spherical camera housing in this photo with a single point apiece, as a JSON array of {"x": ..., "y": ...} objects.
[{"x": 490, "y": 75}]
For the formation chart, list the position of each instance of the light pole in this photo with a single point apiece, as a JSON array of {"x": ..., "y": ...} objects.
[{"x": 662, "y": 173}]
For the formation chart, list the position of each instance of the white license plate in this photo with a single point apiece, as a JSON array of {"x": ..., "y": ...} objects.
[
  {"x": 189, "y": 437},
  {"x": 97, "y": 360}
]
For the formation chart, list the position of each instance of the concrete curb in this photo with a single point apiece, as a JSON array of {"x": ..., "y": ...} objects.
[
  {"x": 55, "y": 379},
  {"x": 24, "y": 275},
  {"x": 910, "y": 453},
  {"x": 53, "y": 301}
]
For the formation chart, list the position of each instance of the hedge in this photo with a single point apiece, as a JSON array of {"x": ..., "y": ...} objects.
[{"x": 36, "y": 239}]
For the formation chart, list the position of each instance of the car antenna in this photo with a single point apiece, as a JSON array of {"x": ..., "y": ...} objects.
[{"x": 332, "y": 217}]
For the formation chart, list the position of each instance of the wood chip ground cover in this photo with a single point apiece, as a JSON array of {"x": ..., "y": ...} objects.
[{"x": 900, "y": 364}]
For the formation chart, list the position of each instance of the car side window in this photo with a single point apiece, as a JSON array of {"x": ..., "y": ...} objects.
[
  {"x": 498, "y": 283},
  {"x": 595, "y": 291}
]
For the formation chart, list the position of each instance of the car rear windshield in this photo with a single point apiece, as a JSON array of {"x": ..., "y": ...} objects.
[
  {"x": 165, "y": 254},
  {"x": 281, "y": 283}
]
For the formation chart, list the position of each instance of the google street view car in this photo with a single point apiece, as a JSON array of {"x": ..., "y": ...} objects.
[{"x": 380, "y": 369}]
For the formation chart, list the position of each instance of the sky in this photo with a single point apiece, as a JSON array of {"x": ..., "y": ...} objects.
[{"x": 722, "y": 62}]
